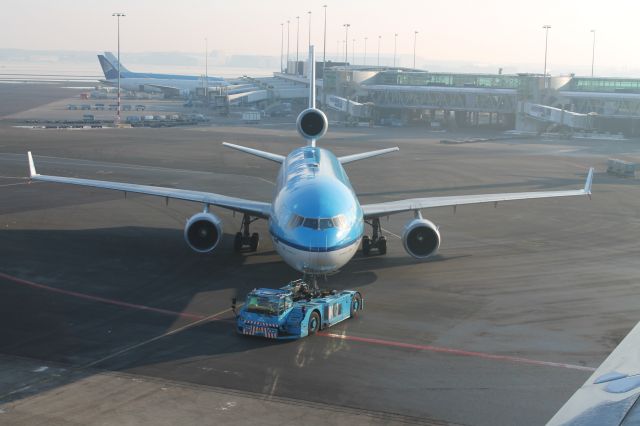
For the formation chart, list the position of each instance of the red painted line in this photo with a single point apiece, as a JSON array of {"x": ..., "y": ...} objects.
[
  {"x": 100, "y": 299},
  {"x": 388, "y": 343},
  {"x": 460, "y": 352}
]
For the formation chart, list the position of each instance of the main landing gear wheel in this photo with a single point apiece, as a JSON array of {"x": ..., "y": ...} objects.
[
  {"x": 314, "y": 323},
  {"x": 356, "y": 304},
  {"x": 237, "y": 242},
  {"x": 377, "y": 241},
  {"x": 255, "y": 240},
  {"x": 244, "y": 238},
  {"x": 366, "y": 245}
]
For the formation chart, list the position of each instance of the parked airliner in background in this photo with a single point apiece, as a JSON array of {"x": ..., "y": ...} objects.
[
  {"x": 315, "y": 220},
  {"x": 169, "y": 84}
]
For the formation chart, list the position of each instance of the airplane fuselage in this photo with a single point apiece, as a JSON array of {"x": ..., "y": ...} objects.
[
  {"x": 316, "y": 221},
  {"x": 147, "y": 84}
]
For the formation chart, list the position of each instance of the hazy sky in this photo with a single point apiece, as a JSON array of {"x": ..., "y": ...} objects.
[{"x": 483, "y": 31}]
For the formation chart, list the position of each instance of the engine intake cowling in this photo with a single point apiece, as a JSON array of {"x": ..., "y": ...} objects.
[
  {"x": 421, "y": 238},
  {"x": 312, "y": 123},
  {"x": 203, "y": 232}
]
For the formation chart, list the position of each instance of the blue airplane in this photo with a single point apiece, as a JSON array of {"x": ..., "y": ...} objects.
[
  {"x": 169, "y": 84},
  {"x": 315, "y": 220}
]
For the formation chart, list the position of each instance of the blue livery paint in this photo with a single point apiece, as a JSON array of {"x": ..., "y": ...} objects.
[
  {"x": 285, "y": 313},
  {"x": 313, "y": 185}
]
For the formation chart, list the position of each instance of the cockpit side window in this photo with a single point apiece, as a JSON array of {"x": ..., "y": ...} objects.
[
  {"x": 295, "y": 221},
  {"x": 326, "y": 223},
  {"x": 340, "y": 221}
]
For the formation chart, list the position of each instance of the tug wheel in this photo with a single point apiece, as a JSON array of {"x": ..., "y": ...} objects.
[
  {"x": 314, "y": 323},
  {"x": 356, "y": 304}
]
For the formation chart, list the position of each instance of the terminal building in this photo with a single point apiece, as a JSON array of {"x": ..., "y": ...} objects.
[{"x": 401, "y": 96}]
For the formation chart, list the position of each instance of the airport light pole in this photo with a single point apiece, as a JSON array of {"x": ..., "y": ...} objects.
[
  {"x": 415, "y": 37},
  {"x": 206, "y": 69},
  {"x": 395, "y": 48},
  {"x": 281, "y": 44},
  {"x": 364, "y": 62},
  {"x": 546, "y": 44},
  {"x": 346, "y": 43},
  {"x": 309, "y": 44},
  {"x": 324, "y": 41},
  {"x": 297, "y": 42},
  {"x": 379, "y": 40},
  {"x": 593, "y": 51},
  {"x": 353, "y": 52},
  {"x": 118, "y": 15}
]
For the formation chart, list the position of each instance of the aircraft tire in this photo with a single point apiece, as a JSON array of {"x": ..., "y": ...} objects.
[
  {"x": 237, "y": 242},
  {"x": 255, "y": 241},
  {"x": 366, "y": 245},
  {"x": 382, "y": 245}
]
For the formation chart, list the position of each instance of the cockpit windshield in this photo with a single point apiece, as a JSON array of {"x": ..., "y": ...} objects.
[{"x": 339, "y": 222}]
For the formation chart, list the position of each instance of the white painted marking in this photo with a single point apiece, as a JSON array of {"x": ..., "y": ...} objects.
[
  {"x": 169, "y": 333},
  {"x": 41, "y": 369},
  {"x": 391, "y": 233}
]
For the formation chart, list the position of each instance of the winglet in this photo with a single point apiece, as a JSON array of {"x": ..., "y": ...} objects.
[
  {"x": 589, "y": 181},
  {"x": 32, "y": 167}
]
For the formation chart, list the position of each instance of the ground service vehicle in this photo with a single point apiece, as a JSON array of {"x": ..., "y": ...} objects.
[{"x": 294, "y": 311}]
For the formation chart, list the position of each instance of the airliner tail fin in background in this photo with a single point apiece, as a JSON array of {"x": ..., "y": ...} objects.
[
  {"x": 110, "y": 71},
  {"x": 114, "y": 61}
]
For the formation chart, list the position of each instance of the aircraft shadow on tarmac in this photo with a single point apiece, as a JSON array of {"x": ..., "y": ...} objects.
[
  {"x": 142, "y": 266},
  {"x": 147, "y": 267}
]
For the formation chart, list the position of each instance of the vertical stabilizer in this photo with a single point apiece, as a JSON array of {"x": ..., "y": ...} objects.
[
  {"x": 312, "y": 78},
  {"x": 312, "y": 123}
]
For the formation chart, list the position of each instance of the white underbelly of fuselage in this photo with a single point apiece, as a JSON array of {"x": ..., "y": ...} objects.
[{"x": 316, "y": 262}]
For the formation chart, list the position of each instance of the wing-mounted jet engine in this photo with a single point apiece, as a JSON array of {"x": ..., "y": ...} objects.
[
  {"x": 421, "y": 238},
  {"x": 203, "y": 232}
]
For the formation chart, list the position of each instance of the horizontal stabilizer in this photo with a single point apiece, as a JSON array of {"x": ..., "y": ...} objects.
[
  {"x": 32, "y": 167},
  {"x": 355, "y": 157},
  {"x": 262, "y": 154}
]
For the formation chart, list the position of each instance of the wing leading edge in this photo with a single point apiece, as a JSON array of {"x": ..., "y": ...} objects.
[
  {"x": 413, "y": 204},
  {"x": 254, "y": 208}
]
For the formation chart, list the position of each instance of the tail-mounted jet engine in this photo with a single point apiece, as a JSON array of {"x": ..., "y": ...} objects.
[
  {"x": 312, "y": 124},
  {"x": 421, "y": 238},
  {"x": 203, "y": 232}
]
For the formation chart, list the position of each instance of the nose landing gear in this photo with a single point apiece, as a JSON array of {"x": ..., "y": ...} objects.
[
  {"x": 377, "y": 241},
  {"x": 244, "y": 239}
]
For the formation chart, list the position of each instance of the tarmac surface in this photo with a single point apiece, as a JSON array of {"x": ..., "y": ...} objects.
[{"x": 108, "y": 317}]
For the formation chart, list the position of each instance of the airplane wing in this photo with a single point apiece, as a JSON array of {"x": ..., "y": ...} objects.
[
  {"x": 167, "y": 90},
  {"x": 610, "y": 395},
  {"x": 254, "y": 208},
  {"x": 414, "y": 204}
]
